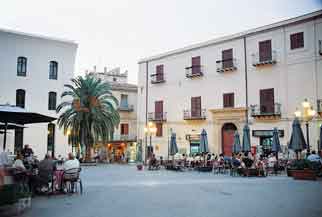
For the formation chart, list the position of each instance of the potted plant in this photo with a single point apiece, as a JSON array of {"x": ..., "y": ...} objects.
[{"x": 302, "y": 170}]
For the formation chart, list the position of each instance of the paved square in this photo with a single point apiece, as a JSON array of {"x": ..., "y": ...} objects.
[{"x": 122, "y": 191}]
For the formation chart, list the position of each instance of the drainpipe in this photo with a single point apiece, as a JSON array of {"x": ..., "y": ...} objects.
[
  {"x": 146, "y": 108},
  {"x": 246, "y": 79}
]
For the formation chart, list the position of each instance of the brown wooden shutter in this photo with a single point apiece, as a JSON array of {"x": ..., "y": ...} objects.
[
  {"x": 227, "y": 58},
  {"x": 297, "y": 40},
  {"x": 195, "y": 64},
  {"x": 158, "y": 109},
  {"x": 159, "y": 73},
  {"x": 159, "y": 129},
  {"x": 196, "y": 106},
  {"x": 267, "y": 100},
  {"x": 265, "y": 51},
  {"x": 228, "y": 100},
  {"x": 124, "y": 129}
]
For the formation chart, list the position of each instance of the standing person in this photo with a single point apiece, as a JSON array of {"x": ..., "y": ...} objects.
[
  {"x": 4, "y": 161},
  {"x": 27, "y": 152}
]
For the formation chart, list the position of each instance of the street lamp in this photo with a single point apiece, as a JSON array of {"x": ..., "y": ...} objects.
[
  {"x": 150, "y": 130},
  {"x": 307, "y": 115}
]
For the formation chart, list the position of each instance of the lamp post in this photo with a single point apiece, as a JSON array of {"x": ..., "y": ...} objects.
[
  {"x": 307, "y": 115},
  {"x": 149, "y": 130}
]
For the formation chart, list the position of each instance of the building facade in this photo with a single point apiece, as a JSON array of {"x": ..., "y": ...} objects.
[
  {"x": 33, "y": 71},
  {"x": 259, "y": 76},
  {"x": 124, "y": 141}
]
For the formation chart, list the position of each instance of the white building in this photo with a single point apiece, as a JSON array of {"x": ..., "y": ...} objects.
[
  {"x": 125, "y": 135},
  {"x": 33, "y": 71},
  {"x": 261, "y": 76}
]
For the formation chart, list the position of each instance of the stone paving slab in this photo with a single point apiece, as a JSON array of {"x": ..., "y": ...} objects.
[{"x": 122, "y": 191}]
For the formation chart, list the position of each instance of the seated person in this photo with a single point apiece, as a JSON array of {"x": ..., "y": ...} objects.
[
  {"x": 272, "y": 160},
  {"x": 313, "y": 157},
  {"x": 235, "y": 161},
  {"x": 71, "y": 163},
  {"x": 18, "y": 164}
]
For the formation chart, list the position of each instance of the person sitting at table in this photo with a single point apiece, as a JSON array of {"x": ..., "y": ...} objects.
[
  {"x": 27, "y": 152},
  {"x": 18, "y": 164},
  {"x": 71, "y": 163},
  {"x": 313, "y": 157}
]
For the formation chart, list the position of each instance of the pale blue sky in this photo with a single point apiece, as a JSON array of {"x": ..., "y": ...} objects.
[{"x": 119, "y": 32}]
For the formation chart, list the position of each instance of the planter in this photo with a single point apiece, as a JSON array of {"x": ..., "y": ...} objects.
[
  {"x": 139, "y": 167},
  {"x": 306, "y": 174}
]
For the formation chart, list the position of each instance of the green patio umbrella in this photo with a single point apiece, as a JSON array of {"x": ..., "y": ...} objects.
[
  {"x": 204, "y": 142},
  {"x": 276, "y": 145},
  {"x": 320, "y": 143},
  {"x": 297, "y": 142},
  {"x": 236, "y": 146},
  {"x": 246, "y": 139},
  {"x": 139, "y": 153},
  {"x": 173, "y": 145}
]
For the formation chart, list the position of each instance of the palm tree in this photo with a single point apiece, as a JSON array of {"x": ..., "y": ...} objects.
[{"x": 89, "y": 113}]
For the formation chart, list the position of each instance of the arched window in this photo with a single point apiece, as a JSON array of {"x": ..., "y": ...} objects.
[
  {"x": 53, "y": 70},
  {"x": 52, "y": 100},
  {"x": 21, "y": 66},
  {"x": 51, "y": 139},
  {"x": 20, "y": 98}
]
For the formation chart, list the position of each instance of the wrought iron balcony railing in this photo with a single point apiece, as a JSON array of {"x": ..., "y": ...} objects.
[
  {"x": 226, "y": 65},
  {"x": 124, "y": 137},
  {"x": 258, "y": 60},
  {"x": 126, "y": 108},
  {"x": 194, "y": 71},
  {"x": 157, "y": 78},
  {"x": 159, "y": 116},
  {"x": 264, "y": 110},
  {"x": 194, "y": 115}
]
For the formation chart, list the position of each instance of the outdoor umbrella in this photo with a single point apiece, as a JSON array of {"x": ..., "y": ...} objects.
[
  {"x": 204, "y": 142},
  {"x": 320, "y": 144},
  {"x": 17, "y": 115},
  {"x": 173, "y": 145},
  {"x": 246, "y": 139},
  {"x": 297, "y": 142},
  {"x": 11, "y": 126},
  {"x": 236, "y": 145},
  {"x": 139, "y": 153},
  {"x": 276, "y": 145}
]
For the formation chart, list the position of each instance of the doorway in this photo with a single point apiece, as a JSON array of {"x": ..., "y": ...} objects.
[{"x": 228, "y": 131}]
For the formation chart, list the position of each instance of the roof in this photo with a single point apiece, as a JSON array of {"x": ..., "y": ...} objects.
[
  {"x": 291, "y": 21},
  {"x": 37, "y": 36}
]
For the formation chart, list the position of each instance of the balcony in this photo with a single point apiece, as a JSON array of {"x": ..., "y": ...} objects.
[
  {"x": 265, "y": 112},
  {"x": 257, "y": 60},
  {"x": 194, "y": 71},
  {"x": 157, "y": 78},
  {"x": 126, "y": 108},
  {"x": 226, "y": 65},
  {"x": 320, "y": 47},
  {"x": 196, "y": 115},
  {"x": 158, "y": 117},
  {"x": 319, "y": 103},
  {"x": 123, "y": 138}
]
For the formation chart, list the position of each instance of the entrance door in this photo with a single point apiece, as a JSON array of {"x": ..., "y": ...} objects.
[{"x": 228, "y": 131}]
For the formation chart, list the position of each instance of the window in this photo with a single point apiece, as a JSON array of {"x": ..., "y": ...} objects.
[
  {"x": 51, "y": 138},
  {"x": 195, "y": 64},
  {"x": 158, "y": 109},
  {"x": 196, "y": 106},
  {"x": 124, "y": 129},
  {"x": 53, "y": 70},
  {"x": 20, "y": 98},
  {"x": 297, "y": 40},
  {"x": 114, "y": 79},
  {"x": 22, "y": 66},
  {"x": 18, "y": 140},
  {"x": 266, "y": 100},
  {"x": 265, "y": 50},
  {"x": 227, "y": 58},
  {"x": 159, "y": 129},
  {"x": 52, "y": 100},
  {"x": 124, "y": 101},
  {"x": 228, "y": 100},
  {"x": 159, "y": 73}
]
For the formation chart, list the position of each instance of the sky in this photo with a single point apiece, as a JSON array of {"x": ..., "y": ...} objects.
[{"x": 117, "y": 33}]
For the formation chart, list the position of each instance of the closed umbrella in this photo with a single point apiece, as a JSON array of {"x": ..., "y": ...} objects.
[
  {"x": 320, "y": 143},
  {"x": 246, "y": 139},
  {"x": 204, "y": 142},
  {"x": 236, "y": 145},
  {"x": 173, "y": 145},
  {"x": 276, "y": 145},
  {"x": 297, "y": 142}
]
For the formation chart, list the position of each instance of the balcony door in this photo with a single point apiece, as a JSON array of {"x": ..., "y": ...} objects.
[
  {"x": 159, "y": 74},
  {"x": 265, "y": 51},
  {"x": 196, "y": 106},
  {"x": 158, "y": 109},
  {"x": 227, "y": 58},
  {"x": 267, "y": 101},
  {"x": 195, "y": 64}
]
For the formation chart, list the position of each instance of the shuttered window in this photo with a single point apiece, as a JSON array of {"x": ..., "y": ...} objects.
[
  {"x": 227, "y": 58},
  {"x": 124, "y": 129},
  {"x": 267, "y": 101},
  {"x": 20, "y": 98},
  {"x": 53, "y": 70},
  {"x": 297, "y": 40},
  {"x": 265, "y": 51},
  {"x": 52, "y": 99},
  {"x": 159, "y": 129},
  {"x": 159, "y": 72},
  {"x": 195, "y": 64},
  {"x": 228, "y": 100},
  {"x": 21, "y": 66},
  {"x": 158, "y": 109},
  {"x": 196, "y": 106}
]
